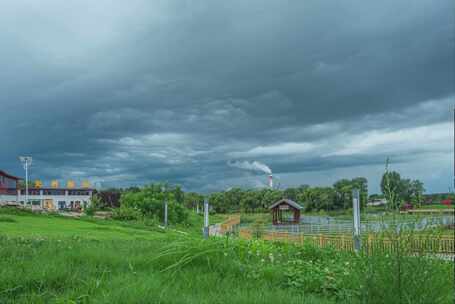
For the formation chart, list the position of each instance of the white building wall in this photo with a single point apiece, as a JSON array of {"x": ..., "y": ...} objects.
[{"x": 55, "y": 199}]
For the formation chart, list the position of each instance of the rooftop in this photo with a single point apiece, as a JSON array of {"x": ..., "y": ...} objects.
[
  {"x": 3, "y": 173},
  {"x": 286, "y": 201}
]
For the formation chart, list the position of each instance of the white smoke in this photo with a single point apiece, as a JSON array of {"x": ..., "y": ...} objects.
[{"x": 252, "y": 166}]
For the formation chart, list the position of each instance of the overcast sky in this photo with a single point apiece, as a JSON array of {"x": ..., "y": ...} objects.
[{"x": 132, "y": 92}]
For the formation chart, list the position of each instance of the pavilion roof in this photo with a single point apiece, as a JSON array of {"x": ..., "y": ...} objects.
[{"x": 286, "y": 201}]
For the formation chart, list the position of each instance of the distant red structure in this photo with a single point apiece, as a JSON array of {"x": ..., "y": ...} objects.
[
  {"x": 8, "y": 183},
  {"x": 447, "y": 202},
  {"x": 406, "y": 206},
  {"x": 285, "y": 212}
]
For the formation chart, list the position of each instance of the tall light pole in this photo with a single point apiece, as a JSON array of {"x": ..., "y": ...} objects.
[{"x": 26, "y": 162}]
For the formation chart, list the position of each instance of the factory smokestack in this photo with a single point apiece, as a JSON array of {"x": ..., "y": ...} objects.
[{"x": 271, "y": 181}]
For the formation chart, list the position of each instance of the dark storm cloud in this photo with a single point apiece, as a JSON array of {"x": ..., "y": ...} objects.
[{"x": 163, "y": 90}]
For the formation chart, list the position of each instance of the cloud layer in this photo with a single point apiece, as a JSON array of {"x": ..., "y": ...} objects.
[{"x": 130, "y": 93}]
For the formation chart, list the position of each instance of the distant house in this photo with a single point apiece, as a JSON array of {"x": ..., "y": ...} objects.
[
  {"x": 285, "y": 211},
  {"x": 447, "y": 202},
  {"x": 9, "y": 186},
  {"x": 377, "y": 202},
  {"x": 53, "y": 198}
]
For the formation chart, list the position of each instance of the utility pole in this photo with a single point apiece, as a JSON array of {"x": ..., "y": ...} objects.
[
  {"x": 163, "y": 190},
  {"x": 356, "y": 211},
  {"x": 165, "y": 214},
  {"x": 26, "y": 162},
  {"x": 206, "y": 219}
]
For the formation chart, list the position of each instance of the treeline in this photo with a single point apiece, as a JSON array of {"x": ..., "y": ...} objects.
[
  {"x": 397, "y": 191},
  {"x": 149, "y": 198},
  {"x": 339, "y": 196},
  {"x": 437, "y": 198}
]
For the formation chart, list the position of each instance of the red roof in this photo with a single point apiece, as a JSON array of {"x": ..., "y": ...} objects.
[{"x": 3, "y": 173}]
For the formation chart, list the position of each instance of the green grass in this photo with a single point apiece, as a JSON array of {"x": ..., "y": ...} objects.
[
  {"x": 52, "y": 259},
  {"x": 436, "y": 206},
  {"x": 33, "y": 226}
]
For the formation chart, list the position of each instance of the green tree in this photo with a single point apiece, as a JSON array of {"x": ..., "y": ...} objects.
[
  {"x": 191, "y": 199},
  {"x": 343, "y": 193},
  {"x": 149, "y": 201},
  {"x": 417, "y": 190},
  {"x": 392, "y": 188}
]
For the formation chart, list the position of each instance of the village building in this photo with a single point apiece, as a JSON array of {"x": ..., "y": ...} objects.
[
  {"x": 377, "y": 202},
  {"x": 47, "y": 198}
]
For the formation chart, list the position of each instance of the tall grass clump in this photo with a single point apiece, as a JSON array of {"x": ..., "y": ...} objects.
[
  {"x": 404, "y": 269},
  {"x": 395, "y": 273}
]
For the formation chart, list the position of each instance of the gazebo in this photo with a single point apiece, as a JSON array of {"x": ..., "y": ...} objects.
[{"x": 285, "y": 211}]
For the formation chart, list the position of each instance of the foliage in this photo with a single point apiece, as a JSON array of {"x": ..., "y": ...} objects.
[
  {"x": 144, "y": 266},
  {"x": 258, "y": 228},
  {"x": 332, "y": 277},
  {"x": 15, "y": 211},
  {"x": 317, "y": 198},
  {"x": 71, "y": 269},
  {"x": 125, "y": 213},
  {"x": 398, "y": 190},
  {"x": 192, "y": 200},
  {"x": 149, "y": 201},
  {"x": 110, "y": 198},
  {"x": 95, "y": 204},
  {"x": 378, "y": 278},
  {"x": 403, "y": 275},
  {"x": 313, "y": 198}
]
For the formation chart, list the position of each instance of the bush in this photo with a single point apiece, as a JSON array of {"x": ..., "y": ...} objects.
[
  {"x": 94, "y": 206},
  {"x": 126, "y": 214},
  {"x": 15, "y": 211},
  {"x": 90, "y": 210},
  {"x": 149, "y": 201}
]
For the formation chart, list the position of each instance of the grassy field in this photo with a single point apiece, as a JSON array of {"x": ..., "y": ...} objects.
[
  {"x": 437, "y": 206},
  {"x": 50, "y": 259}
]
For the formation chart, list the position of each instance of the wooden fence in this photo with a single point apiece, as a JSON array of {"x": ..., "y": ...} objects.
[
  {"x": 370, "y": 243},
  {"x": 230, "y": 224}
]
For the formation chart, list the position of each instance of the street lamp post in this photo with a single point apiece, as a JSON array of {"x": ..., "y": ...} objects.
[{"x": 26, "y": 162}]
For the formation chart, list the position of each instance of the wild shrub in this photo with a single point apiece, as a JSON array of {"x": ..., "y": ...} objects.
[
  {"x": 15, "y": 211},
  {"x": 325, "y": 277},
  {"x": 405, "y": 273},
  {"x": 126, "y": 214},
  {"x": 149, "y": 201},
  {"x": 377, "y": 277}
]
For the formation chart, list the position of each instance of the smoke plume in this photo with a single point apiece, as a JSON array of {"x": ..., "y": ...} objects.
[{"x": 252, "y": 166}]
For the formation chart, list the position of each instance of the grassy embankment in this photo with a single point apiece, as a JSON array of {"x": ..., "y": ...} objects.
[{"x": 49, "y": 259}]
